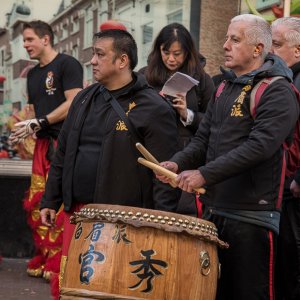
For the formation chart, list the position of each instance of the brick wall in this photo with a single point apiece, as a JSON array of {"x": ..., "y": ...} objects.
[{"x": 214, "y": 20}]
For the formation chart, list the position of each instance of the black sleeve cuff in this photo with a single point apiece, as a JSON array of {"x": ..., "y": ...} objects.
[{"x": 43, "y": 121}]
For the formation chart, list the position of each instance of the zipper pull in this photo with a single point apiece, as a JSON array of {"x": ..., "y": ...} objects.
[{"x": 84, "y": 99}]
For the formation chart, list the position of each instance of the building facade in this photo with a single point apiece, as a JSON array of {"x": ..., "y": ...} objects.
[
  {"x": 77, "y": 20},
  {"x": 13, "y": 59}
]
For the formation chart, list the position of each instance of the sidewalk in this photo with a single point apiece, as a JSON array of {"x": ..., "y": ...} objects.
[{"x": 15, "y": 284}]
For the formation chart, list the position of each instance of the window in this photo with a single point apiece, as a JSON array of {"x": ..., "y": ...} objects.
[
  {"x": 147, "y": 31},
  {"x": 75, "y": 23},
  {"x": 56, "y": 40},
  {"x": 64, "y": 31},
  {"x": 174, "y": 4},
  {"x": 65, "y": 22},
  {"x": 175, "y": 17},
  {"x": 175, "y": 9},
  {"x": 2, "y": 53},
  {"x": 147, "y": 8},
  {"x": 56, "y": 33},
  {"x": 88, "y": 73},
  {"x": 75, "y": 52},
  {"x": 88, "y": 27},
  {"x": 147, "y": 38}
]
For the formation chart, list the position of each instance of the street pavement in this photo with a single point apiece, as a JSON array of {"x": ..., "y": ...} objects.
[{"x": 15, "y": 284}]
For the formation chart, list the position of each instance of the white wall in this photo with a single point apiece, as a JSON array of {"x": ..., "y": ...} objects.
[
  {"x": 151, "y": 13},
  {"x": 17, "y": 49}
]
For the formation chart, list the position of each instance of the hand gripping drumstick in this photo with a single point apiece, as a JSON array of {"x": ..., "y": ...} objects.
[
  {"x": 150, "y": 158},
  {"x": 159, "y": 169}
]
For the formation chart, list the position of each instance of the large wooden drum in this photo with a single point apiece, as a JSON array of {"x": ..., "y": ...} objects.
[{"x": 120, "y": 252}]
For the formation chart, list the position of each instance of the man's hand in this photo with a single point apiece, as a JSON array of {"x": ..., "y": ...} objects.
[
  {"x": 295, "y": 189},
  {"x": 48, "y": 217},
  {"x": 169, "y": 165},
  {"x": 190, "y": 180},
  {"x": 24, "y": 129}
]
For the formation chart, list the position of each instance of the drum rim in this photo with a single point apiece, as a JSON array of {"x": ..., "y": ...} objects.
[
  {"x": 79, "y": 292},
  {"x": 141, "y": 217}
]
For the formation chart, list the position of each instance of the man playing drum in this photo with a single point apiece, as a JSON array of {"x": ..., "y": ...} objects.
[
  {"x": 96, "y": 158},
  {"x": 238, "y": 158}
]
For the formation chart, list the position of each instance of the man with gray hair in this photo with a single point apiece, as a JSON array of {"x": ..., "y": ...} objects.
[
  {"x": 286, "y": 44},
  {"x": 237, "y": 155}
]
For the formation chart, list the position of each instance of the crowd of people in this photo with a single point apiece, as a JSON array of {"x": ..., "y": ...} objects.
[{"x": 224, "y": 138}]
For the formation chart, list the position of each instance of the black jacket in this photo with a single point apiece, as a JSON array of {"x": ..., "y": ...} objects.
[
  {"x": 296, "y": 80},
  {"x": 197, "y": 99},
  {"x": 120, "y": 178},
  {"x": 241, "y": 158}
]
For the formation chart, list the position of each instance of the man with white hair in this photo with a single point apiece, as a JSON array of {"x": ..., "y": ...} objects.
[
  {"x": 237, "y": 155},
  {"x": 286, "y": 44}
]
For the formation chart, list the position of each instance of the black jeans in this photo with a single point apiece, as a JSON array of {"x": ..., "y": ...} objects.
[
  {"x": 247, "y": 267},
  {"x": 288, "y": 258}
]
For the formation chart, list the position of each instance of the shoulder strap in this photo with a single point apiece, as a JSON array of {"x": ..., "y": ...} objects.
[
  {"x": 220, "y": 89},
  {"x": 135, "y": 136},
  {"x": 257, "y": 92},
  {"x": 296, "y": 79},
  {"x": 296, "y": 91}
]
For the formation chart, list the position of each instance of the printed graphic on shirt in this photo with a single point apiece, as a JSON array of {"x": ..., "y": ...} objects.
[
  {"x": 120, "y": 126},
  {"x": 236, "y": 110},
  {"x": 49, "y": 83}
]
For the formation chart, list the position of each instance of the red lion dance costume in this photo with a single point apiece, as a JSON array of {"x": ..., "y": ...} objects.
[{"x": 47, "y": 241}]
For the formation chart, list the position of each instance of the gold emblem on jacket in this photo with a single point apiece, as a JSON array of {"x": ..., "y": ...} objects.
[
  {"x": 120, "y": 126},
  {"x": 236, "y": 110}
]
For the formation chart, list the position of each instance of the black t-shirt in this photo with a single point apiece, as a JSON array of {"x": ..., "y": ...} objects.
[
  {"x": 90, "y": 146},
  {"x": 46, "y": 86}
]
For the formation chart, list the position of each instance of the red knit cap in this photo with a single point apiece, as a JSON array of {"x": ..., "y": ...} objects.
[{"x": 112, "y": 24}]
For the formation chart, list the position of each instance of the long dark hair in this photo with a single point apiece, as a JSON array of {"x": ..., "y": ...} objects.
[{"x": 157, "y": 73}]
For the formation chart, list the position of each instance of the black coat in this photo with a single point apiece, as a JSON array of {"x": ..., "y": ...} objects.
[
  {"x": 121, "y": 180},
  {"x": 197, "y": 99},
  {"x": 296, "y": 80},
  {"x": 241, "y": 158}
]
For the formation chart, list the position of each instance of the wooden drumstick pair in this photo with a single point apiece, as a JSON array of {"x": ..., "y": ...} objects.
[{"x": 151, "y": 162}]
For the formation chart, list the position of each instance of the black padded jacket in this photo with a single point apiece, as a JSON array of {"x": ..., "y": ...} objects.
[{"x": 241, "y": 158}]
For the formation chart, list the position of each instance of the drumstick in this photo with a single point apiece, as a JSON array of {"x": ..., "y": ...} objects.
[
  {"x": 150, "y": 158},
  {"x": 146, "y": 153},
  {"x": 163, "y": 171}
]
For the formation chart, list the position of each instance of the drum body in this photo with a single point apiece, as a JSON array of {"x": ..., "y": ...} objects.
[{"x": 120, "y": 252}]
